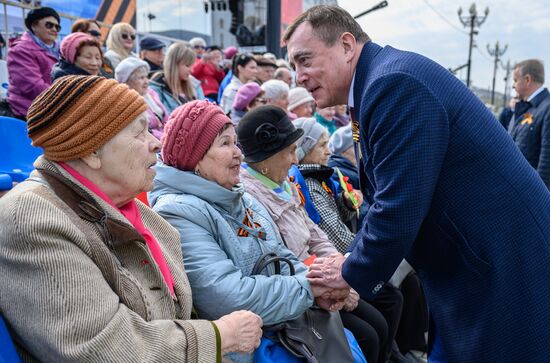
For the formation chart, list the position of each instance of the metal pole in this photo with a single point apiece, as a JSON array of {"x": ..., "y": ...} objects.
[
  {"x": 497, "y": 53},
  {"x": 494, "y": 79},
  {"x": 508, "y": 70},
  {"x": 472, "y": 21},
  {"x": 472, "y": 32},
  {"x": 6, "y": 29}
]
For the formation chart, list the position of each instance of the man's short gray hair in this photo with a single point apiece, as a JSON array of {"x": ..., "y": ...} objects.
[{"x": 532, "y": 67}]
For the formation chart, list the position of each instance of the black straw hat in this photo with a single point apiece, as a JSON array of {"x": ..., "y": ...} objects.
[{"x": 265, "y": 131}]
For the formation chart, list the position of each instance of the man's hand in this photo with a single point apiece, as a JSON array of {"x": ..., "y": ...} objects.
[{"x": 327, "y": 271}]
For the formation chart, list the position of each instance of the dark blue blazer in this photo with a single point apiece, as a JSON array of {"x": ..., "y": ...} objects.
[
  {"x": 452, "y": 194},
  {"x": 533, "y": 136}
]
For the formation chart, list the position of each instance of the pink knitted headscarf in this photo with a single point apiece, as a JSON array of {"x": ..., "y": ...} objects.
[
  {"x": 71, "y": 43},
  {"x": 189, "y": 133}
]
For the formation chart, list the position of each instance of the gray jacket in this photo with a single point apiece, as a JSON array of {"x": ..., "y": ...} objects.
[{"x": 217, "y": 260}]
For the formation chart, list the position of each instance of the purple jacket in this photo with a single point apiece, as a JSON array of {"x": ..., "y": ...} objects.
[{"x": 29, "y": 73}]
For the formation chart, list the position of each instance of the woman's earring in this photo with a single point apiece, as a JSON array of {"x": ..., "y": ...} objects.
[
  {"x": 264, "y": 171},
  {"x": 197, "y": 172}
]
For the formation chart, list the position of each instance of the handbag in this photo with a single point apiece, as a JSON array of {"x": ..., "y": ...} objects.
[{"x": 316, "y": 336}]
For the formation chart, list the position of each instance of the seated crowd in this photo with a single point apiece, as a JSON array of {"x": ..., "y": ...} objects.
[{"x": 102, "y": 274}]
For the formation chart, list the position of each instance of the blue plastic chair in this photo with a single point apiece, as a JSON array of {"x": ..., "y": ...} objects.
[
  {"x": 8, "y": 354},
  {"x": 5, "y": 182},
  {"x": 17, "y": 153}
]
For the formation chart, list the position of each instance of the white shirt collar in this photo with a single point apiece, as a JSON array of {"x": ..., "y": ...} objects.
[
  {"x": 351, "y": 101},
  {"x": 534, "y": 94}
]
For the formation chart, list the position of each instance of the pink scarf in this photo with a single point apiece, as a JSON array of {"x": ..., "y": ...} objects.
[{"x": 131, "y": 212}]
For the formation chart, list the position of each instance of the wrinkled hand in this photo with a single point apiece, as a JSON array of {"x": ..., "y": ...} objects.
[
  {"x": 351, "y": 301},
  {"x": 327, "y": 271},
  {"x": 240, "y": 331},
  {"x": 333, "y": 299},
  {"x": 358, "y": 196}
]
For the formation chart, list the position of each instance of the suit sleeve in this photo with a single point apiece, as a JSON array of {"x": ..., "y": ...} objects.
[
  {"x": 404, "y": 132},
  {"x": 543, "y": 167}
]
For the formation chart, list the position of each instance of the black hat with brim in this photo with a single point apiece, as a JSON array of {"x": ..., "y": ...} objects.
[{"x": 265, "y": 131}]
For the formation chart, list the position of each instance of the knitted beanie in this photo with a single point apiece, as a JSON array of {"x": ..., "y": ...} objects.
[
  {"x": 189, "y": 133},
  {"x": 297, "y": 97},
  {"x": 78, "y": 114},
  {"x": 341, "y": 140},
  {"x": 71, "y": 44},
  {"x": 125, "y": 68},
  {"x": 312, "y": 133}
]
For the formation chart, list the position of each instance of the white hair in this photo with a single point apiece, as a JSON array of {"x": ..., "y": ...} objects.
[
  {"x": 274, "y": 89},
  {"x": 197, "y": 41}
]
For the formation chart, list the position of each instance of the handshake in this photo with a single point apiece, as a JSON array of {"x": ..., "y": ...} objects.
[{"x": 329, "y": 288}]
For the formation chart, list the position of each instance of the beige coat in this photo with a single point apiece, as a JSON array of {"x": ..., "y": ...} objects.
[
  {"x": 301, "y": 235},
  {"x": 61, "y": 308}
]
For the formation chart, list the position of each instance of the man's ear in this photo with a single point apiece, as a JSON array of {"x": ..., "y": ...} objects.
[
  {"x": 350, "y": 45},
  {"x": 93, "y": 161}
]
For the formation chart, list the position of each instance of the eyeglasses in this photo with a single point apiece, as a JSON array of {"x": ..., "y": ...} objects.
[
  {"x": 261, "y": 100},
  {"x": 50, "y": 25},
  {"x": 125, "y": 36},
  {"x": 94, "y": 33},
  {"x": 198, "y": 47}
]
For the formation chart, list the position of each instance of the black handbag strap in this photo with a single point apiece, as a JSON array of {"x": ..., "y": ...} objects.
[{"x": 271, "y": 258}]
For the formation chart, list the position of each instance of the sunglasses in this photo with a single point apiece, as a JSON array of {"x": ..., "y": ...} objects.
[
  {"x": 94, "y": 33},
  {"x": 126, "y": 36},
  {"x": 50, "y": 25}
]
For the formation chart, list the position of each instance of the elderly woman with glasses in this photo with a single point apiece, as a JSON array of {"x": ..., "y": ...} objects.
[
  {"x": 31, "y": 59},
  {"x": 80, "y": 55},
  {"x": 133, "y": 72},
  {"x": 120, "y": 43},
  {"x": 89, "y": 273}
]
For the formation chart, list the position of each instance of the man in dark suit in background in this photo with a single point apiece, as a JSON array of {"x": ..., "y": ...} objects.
[
  {"x": 449, "y": 191},
  {"x": 530, "y": 126}
]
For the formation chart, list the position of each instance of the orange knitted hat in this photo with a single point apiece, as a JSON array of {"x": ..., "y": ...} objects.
[{"x": 78, "y": 114}]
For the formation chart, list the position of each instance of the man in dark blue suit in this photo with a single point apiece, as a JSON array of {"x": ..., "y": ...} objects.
[
  {"x": 450, "y": 192},
  {"x": 530, "y": 126}
]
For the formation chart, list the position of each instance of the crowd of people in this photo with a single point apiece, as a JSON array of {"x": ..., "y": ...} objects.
[{"x": 239, "y": 159}]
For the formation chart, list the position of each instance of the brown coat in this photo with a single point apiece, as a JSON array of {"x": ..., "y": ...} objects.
[{"x": 65, "y": 301}]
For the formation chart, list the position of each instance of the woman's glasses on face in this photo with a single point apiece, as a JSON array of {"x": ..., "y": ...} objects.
[
  {"x": 94, "y": 33},
  {"x": 126, "y": 36},
  {"x": 50, "y": 25},
  {"x": 260, "y": 100}
]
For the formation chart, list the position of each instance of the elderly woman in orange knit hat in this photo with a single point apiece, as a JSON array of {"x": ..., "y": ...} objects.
[{"x": 88, "y": 272}]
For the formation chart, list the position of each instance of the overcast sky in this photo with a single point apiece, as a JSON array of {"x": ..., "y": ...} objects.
[{"x": 416, "y": 26}]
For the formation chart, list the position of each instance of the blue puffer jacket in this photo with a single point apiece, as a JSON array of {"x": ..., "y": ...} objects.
[{"x": 219, "y": 262}]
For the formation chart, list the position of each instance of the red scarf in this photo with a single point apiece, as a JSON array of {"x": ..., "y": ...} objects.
[{"x": 131, "y": 212}]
